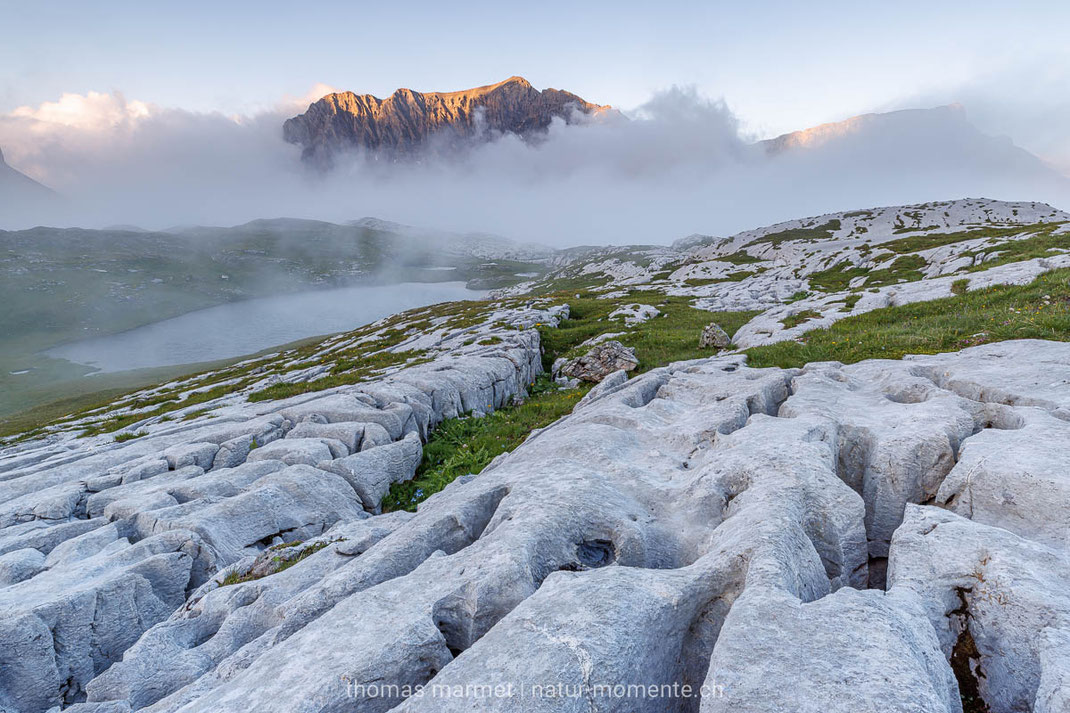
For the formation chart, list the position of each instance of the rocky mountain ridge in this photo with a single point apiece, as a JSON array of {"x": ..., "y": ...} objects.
[{"x": 408, "y": 122}]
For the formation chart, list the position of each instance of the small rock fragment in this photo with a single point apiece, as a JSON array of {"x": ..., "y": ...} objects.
[
  {"x": 600, "y": 362},
  {"x": 714, "y": 336}
]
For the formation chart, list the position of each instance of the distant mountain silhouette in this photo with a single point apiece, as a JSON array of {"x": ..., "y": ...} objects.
[{"x": 17, "y": 188}]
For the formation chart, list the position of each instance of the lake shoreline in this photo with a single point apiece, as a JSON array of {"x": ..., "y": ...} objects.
[{"x": 237, "y": 329}]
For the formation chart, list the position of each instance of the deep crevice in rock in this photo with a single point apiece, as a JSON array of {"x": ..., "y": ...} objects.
[
  {"x": 455, "y": 627},
  {"x": 966, "y": 660},
  {"x": 265, "y": 542},
  {"x": 697, "y": 648},
  {"x": 878, "y": 572},
  {"x": 855, "y": 458}
]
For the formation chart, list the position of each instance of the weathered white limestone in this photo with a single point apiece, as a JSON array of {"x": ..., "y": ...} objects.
[
  {"x": 767, "y": 328},
  {"x": 348, "y": 433},
  {"x": 289, "y": 504},
  {"x": 198, "y": 454},
  {"x": 294, "y": 451},
  {"x": 705, "y": 525},
  {"x": 505, "y": 565},
  {"x": 18, "y": 565},
  {"x": 850, "y": 651},
  {"x": 635, "y": 313},
  {"x": 767, "y": 268},
  {"x": 372, "y": 472},
  {"x": 890, "y": 452},
  {"x": 66, "y": 624},
  {"x": 217, "y": 620},
  {"x": 997, "y": 601},
  {"x": 146, "y": 523},
  {"x": 1004, "y": 478}
]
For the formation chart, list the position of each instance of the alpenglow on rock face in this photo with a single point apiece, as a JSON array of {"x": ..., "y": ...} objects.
[{"x": 407, "y": 121}]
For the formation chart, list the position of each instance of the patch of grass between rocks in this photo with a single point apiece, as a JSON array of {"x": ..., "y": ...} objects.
[
  {"x": 1038, "y": 310},
  {"x": 279, "y": 563},
  {"x": 466, "y": 445}
]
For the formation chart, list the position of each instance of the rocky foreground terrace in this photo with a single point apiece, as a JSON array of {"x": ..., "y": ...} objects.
[{"x": 793, "y": 526}]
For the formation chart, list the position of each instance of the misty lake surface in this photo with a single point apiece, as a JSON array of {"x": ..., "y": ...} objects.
[{"x": 246, "y": 327}]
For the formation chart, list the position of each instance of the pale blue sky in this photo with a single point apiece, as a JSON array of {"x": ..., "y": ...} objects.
[{"x": 779, "y": 65}]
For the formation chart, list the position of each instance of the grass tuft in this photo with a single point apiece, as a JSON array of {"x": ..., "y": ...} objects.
[
  {"x": 816, "y": 232},
  {"x": 278, "y": 564},
  {"x": 798, "y": 318}
]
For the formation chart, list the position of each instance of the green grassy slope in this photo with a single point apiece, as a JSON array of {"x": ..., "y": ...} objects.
[{"x": 1039, "y": 310}]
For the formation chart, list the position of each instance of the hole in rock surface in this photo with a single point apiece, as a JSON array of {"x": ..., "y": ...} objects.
[
  {"x": 1003, "y": 420},
  {"x": 592, "y": 554}
]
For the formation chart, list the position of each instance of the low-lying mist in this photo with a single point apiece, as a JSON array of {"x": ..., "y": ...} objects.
[{"x": 679, "y": 165}]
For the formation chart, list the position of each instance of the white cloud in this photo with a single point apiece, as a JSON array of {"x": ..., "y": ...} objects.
[
  {"x": 91, "y": 112},
  {"x": 104, "y": 149}
]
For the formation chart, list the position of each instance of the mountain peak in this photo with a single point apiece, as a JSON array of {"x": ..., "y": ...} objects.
[
  {"x": 823, "y": 133},
  {"x": 406, "y": 122},
  {"x": 514, "y": 81}
]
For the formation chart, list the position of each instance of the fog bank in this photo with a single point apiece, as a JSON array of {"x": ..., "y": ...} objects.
[{"x": 678, "y": 165}]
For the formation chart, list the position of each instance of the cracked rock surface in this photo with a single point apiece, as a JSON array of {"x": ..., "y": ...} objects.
[
  {"x": 110, "y": 552},
  {"x": 884, "y": 536}
]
